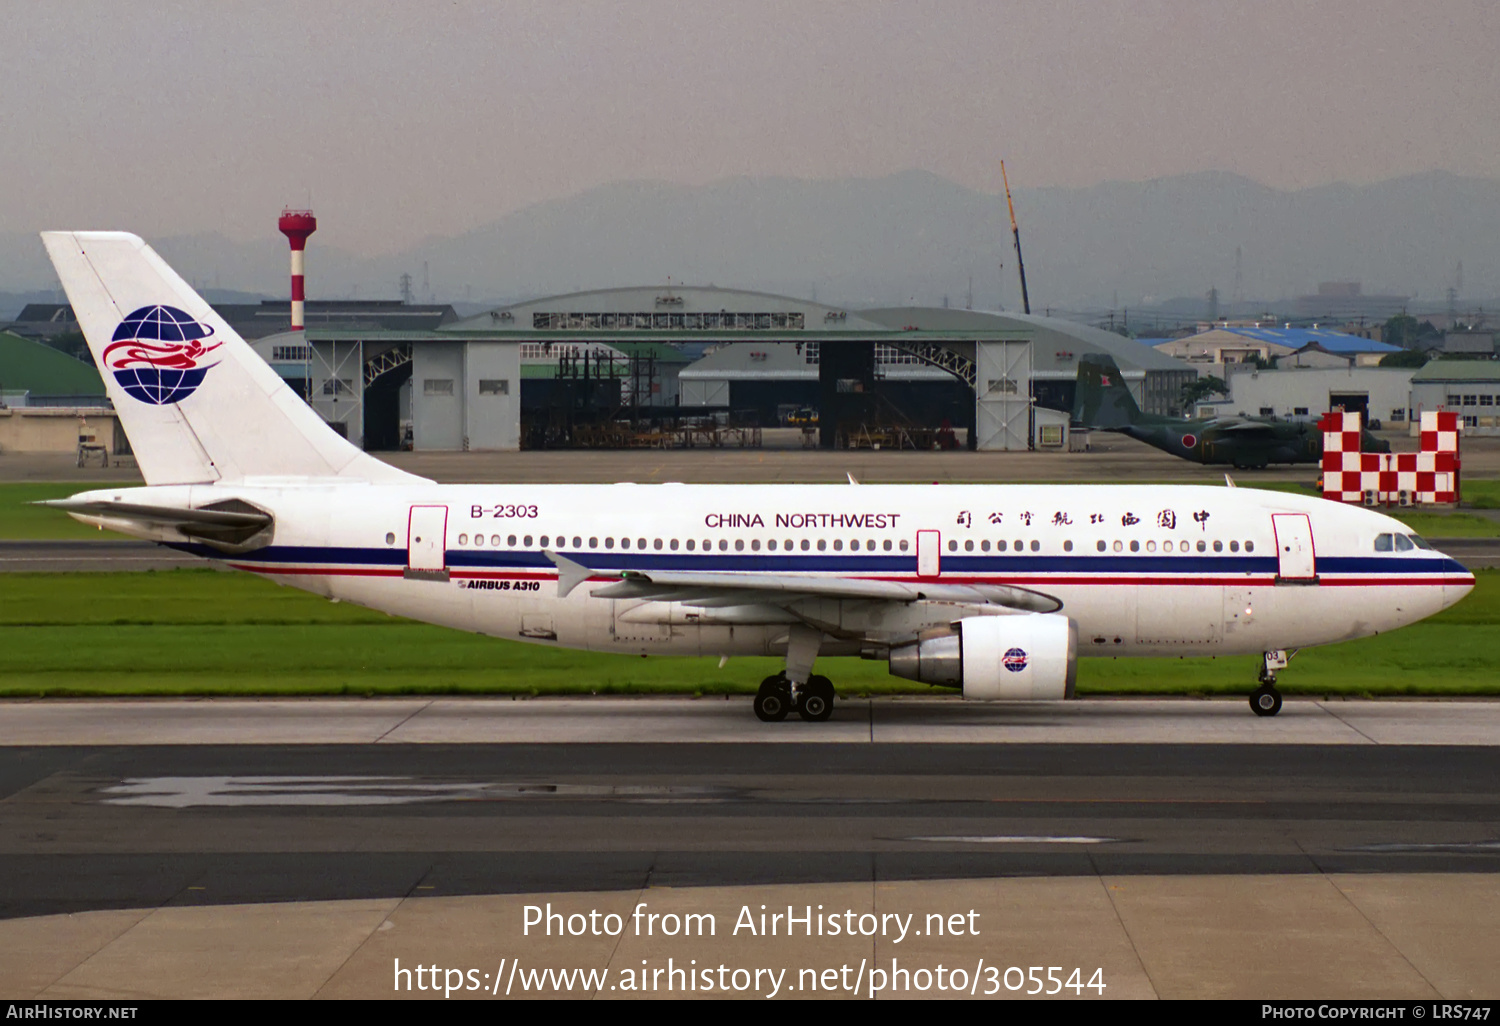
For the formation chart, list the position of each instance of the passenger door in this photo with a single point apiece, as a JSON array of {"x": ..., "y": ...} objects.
[
  {"x": 929, "y": 553},
  {"x": 427, "y": 543},
  {"x": 1296, "y": 562}
]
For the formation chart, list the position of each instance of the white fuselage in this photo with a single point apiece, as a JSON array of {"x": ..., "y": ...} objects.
[{"x": 1145, "y": 570}]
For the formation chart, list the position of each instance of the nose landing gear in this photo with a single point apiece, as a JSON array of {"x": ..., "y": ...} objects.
[{"x": 1266, "y": 700}]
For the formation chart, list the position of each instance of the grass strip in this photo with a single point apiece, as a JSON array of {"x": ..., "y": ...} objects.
[{"x": 199, "y": 632}]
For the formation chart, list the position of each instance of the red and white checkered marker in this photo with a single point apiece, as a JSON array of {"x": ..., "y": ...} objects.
[{"x": 1427, "y": 477}]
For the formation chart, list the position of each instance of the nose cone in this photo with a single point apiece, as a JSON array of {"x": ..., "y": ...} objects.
[{"x": 1458, "y": 584}]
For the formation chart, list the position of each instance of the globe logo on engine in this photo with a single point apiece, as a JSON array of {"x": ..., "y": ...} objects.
[
  {"x": 156, "y": 352},
  {"x": 1014, "y": 660}
]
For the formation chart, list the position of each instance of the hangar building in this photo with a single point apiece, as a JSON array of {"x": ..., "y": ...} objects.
[{"x": 466, "y": 383}]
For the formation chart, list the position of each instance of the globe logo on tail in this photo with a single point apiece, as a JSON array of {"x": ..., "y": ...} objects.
[
  {"x": 1014, "y": 660},
  {"x": 156, "y": 353}
]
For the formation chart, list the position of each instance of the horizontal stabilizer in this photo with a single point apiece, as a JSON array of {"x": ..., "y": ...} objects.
[{"x": 232, "y": 525}]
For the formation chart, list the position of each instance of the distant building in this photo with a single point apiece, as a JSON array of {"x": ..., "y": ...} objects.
[
  {"x": 1224, "y": 348},
  {"x": 1379, "y": 393},
  {"x": 1468, "y": 387},
  {"x": 1343, "y": 300}
]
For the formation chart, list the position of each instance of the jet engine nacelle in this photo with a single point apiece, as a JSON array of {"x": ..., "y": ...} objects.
[{"x": 1017, "y": 657}]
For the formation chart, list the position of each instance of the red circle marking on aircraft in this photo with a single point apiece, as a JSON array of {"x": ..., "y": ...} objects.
[{"x": 1188, "y": 441}]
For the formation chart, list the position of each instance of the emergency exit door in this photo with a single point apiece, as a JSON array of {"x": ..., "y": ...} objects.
[
  {"x": 929, "y": 553},
  {"x": 426, "y": 543},
  {"x": 1296, "y": 563}
]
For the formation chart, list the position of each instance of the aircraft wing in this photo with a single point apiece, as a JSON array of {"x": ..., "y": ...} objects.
[{"x": 729, "y": 589}]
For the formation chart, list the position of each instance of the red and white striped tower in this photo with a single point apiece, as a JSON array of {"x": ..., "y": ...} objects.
[{"x": 297, "y": 225}]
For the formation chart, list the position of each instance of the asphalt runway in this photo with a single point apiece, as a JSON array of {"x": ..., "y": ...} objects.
[
  {"x": 107, "y": 828},
  {"x": 1354, "y": 867}
]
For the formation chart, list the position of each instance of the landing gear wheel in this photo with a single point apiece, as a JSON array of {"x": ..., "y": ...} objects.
[
  {"x": 1265, "y": 701},
  {"x": 774, "y": 700},
  {"x": 816, "y": 703}
]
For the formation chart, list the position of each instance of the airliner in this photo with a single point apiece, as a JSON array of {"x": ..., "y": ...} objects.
[{"x": 993, "y": 590}]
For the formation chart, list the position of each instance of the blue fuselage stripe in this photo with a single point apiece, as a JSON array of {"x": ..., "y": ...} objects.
[{"x": 498, "y": 560}]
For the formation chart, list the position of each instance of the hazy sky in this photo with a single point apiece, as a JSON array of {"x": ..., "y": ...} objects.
[{"x": 408, "y": 119}]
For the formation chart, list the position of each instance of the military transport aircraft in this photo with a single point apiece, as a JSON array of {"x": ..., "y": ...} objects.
[
  {"x": 995, "y": 590},
  {"x": 1103, "y": 401}
]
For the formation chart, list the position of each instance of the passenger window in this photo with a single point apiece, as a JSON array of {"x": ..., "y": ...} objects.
[
  {"x": 1151, "y": 546},
  {"x": 723, "y": 544},
  {"x": 1166, "y": 546},
  {"x": 1119, "y": 546},
  {"x": 495, "y": 540},
  {"x": 1068, "y": 546},
  {"x": 1102, "y": 546},
  {"x": 463, "y": 539},
  {"x": 672, "y": 544},
  {"x": 788, "y": 545},
  {"x": 479, "y": 539},
  {"x": 1234, "y": 546},
  {"x": 1218, "y": 546},
  {"x": 1135, "y": 546},
  {"x": 544, "y": 542},
  {"x": 624, "y": 543},
  {"x": 887, "y": 545},
  {"x": 904, "y": 544},
  {"x": 1202, "y": 547},
  {"x": 691, "y": 544},
  {"x": 952, "y": 545},
  {"x": 1249, "y": 546},
  {"x": 511, "y": 541},
  {"x": 528, "y": 541},
  {"x": 870, "y": 545},
  {"x": 771, "y": 545},
  {"x": 578, "y": 543},
  {"x": 739, "y": 545},
  {"x": 822, "y": 544},
  {"x": 838, "y": 545},
  {"x": 853, "y": 544},
  {"x": 609, "y": 543},
  {"x": 1036, "y": 546},
  {"x": 755, "y": 545},
  {"x": 1020, "y": 545},
  {"x": 640, "y": 543},
  {"x": 1403, "y": 543},
  {"x": 984, "y": 546},
  {"x": 968, "y": 546},
  {"x": 593, "y": 543},
  {"x": 1000, "y": 546},
  {"x": 656, "y": 545},
  {"x": 806, "y": 544}
]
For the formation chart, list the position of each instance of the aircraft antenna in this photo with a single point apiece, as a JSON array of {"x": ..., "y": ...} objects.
[{"x": 1015, "y": 233}]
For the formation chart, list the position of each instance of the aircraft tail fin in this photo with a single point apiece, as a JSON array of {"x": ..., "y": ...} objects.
[
  {"x": 1102, "y": 399},
  {"x": 197, "y": 403}
]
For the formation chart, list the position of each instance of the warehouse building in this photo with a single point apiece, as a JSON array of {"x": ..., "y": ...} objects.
[
  {"x": 1381, "y": 394},
  {"x": 1469, "y": 387}
]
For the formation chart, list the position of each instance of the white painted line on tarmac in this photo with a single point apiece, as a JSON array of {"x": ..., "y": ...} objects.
[{"x": 1017, "y": 839}]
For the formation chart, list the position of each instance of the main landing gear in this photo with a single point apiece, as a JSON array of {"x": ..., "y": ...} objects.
[
  {"x": 1266, "y": 700},
  {"x": 777, "y": 698},
  {"x": 812, "y": 697}
]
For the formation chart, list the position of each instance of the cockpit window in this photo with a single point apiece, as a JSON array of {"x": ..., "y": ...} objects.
[
  {"x": 1420, "y": 542},
  {"x": 1384, "y": 542},
  {"x": 1403, "y": 543}
]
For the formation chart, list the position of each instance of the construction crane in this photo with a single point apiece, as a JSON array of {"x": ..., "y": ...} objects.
[{"x": 1015, "y": 233}]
